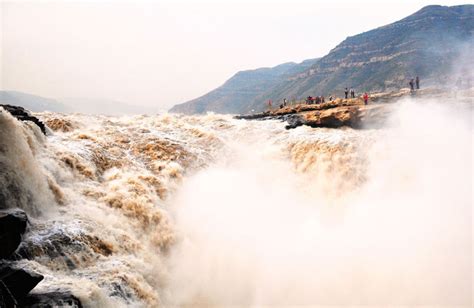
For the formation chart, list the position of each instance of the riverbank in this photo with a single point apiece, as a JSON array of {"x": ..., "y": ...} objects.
[{"x": 350, "y": 112}]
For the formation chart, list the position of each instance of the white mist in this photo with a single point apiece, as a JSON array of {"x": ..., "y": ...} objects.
[{"x": 254, "y": 232}]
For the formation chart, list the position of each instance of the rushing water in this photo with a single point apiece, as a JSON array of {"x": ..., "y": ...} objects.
[{"x": 170, "y": 210}]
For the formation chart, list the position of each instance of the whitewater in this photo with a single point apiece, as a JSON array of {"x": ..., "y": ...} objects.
[{"x": 171, "y": 211}]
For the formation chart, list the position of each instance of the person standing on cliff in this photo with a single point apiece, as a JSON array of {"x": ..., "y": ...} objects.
[
  {"x": 412, "y": 85},
  {"x": 352, "y": 93},
  {"x": 269, "y": 104},
  {"x": 366, "y": 98},
  {"x": 346, "y": 93},
  {"x": 417, "y": 81}
]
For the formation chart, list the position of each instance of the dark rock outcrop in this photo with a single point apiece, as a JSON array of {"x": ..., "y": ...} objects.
[
  {"x": 12, "y": 227},
  {"x": 15, "y": 282},
  {"x": 24, "y": 115}
]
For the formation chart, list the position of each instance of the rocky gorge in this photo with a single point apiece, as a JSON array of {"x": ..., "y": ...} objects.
[{"x": 172, "y": 210}]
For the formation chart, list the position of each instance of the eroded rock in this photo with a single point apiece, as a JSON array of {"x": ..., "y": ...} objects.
[
  {"x": 338, "y": 113},
  {"x": 17, "y": 283},
  {"x": 12, "y": 227},
  {"x": 51, "y": 299},
  {"x": 24, "y": 115}
]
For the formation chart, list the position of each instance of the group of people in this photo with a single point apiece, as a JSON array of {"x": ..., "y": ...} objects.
[
  {"x": 319, "y": 99},
  {"x": 365, "y": 97},
  {"x": 413, "y": 83},
  {"x": 347, "y": 91},
  {"x": 315, "y": 100}
]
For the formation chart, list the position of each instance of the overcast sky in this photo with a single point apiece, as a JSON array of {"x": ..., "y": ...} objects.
[{"x": 160, "y": 53}]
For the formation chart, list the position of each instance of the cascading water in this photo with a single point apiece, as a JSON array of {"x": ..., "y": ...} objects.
[{"x": 210, "y": 211}]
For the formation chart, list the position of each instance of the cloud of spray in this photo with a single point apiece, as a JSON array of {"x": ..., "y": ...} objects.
[
  {"x": 254, "y": 234},
  {"x": 462, "y": 70}
]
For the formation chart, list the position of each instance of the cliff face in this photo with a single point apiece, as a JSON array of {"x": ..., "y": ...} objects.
[{"x": 431, "y": 44}]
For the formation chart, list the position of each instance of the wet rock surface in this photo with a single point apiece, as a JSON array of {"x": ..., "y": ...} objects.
[
  {"x": 15, "y": 281},
  {"x": 51, "y": 299},
  {"x": 24, "y": 115},
  {"x": 12, "y": 227}
]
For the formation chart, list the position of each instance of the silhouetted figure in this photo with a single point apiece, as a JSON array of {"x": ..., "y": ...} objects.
[
  {"x": 309, "y": 100},
  {"x": 417, "y": 81},
  {"x": 346, "y": 93},
  {"x": 352, "y": 93},
  {"x": 330, "y": 98},
  {"x": 412, "y": 84},
  {"x": 366, "y": 98},
  {"x": 285, "y": 102},
  {"x": 270, "y": 104},
  {"x": 322, "y": 99}
]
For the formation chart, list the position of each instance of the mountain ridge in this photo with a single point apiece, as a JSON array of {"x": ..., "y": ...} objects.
[
  {"x": 248, "y": 84},
  {"x": 426, "y": 43}
]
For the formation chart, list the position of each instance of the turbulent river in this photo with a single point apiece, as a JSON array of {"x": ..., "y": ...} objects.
[{"x": 168, "y": 210}]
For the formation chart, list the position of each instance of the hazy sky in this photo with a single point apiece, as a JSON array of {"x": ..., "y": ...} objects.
[{"x": 161, "y": 53}]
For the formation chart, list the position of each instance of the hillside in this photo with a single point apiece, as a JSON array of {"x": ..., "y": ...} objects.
[
  {"x": 36, "y": 103},
  {"x": 433, "y": 43},
  {"x": 242, "y": 88},
  {"x": 32, "y": 102}
]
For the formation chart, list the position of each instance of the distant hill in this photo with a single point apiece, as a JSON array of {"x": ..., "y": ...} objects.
[
  {"x": 81, "y": 105},
  {"x": 32, "y": 102},
  {"x": 106, "y": 107},
  {"x": 238, "y": 92},
  {"x": 434, "y": 43}
]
